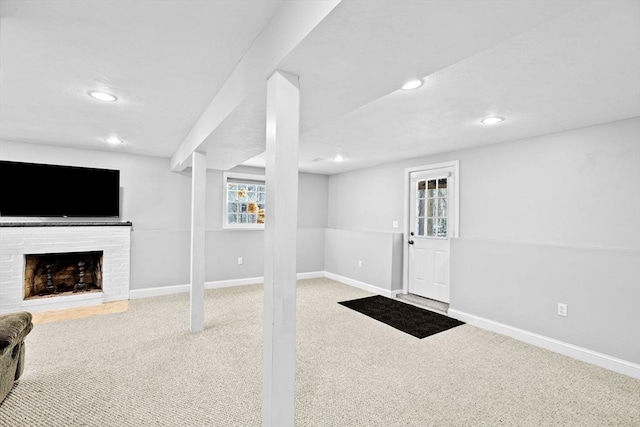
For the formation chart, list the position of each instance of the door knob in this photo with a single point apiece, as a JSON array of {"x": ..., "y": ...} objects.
[{"x": 411, "y": 242}]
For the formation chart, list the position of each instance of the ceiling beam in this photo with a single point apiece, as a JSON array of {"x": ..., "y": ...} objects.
[{"x": 292, "y": 22}]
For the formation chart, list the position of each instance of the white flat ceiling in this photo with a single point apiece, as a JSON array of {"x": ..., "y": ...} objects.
[{"x": 544, "y": 66}]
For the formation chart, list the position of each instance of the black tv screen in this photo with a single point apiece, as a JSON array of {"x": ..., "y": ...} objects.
[{"x": 41, "y": 190}]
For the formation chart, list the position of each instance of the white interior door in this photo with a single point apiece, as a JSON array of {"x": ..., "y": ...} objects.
[{"x": 431, "y": 199}]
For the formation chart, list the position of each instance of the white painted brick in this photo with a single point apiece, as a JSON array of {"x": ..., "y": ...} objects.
[{"x": 15, "y": 242}]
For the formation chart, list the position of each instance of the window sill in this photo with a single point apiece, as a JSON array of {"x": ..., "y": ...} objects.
[{"x": 243, "y": 227}]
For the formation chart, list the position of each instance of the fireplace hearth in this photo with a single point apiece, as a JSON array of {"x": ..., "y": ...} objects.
[{"x": 58, "y": 274}]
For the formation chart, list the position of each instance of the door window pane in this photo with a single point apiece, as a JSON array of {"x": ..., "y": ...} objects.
[
  {"x": 421, "y": 207},
  {"x": 431, "y": 188},
  {"x": 422, "y": 185},
  {"x": 442, "y": 208},
  {"x": 442, "y": 187},
  {"x": 431, "y": 207},
  {"x": 430, "y": 227}
]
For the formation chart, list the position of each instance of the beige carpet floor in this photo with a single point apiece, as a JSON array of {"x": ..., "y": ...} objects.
[{"x": 143, "y": 368}]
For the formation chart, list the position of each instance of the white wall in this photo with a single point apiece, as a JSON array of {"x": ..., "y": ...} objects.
[
  {"x": 157, "y": 202},
  {"x": 543, "y": 220},
  {"x": 368, "y": 257}
]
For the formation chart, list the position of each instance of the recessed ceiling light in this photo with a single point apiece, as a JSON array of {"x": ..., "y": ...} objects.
[
  {"x": 413, "y": 84},
  {"x": 338, "y": 158},
  {"x": 491, "y": 120},
  {"x": 102, "y": 96},
  {"x": 114, "y": 140}
]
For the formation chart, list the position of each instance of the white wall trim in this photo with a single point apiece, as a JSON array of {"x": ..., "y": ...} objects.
[
  {"x": 585, "y": 355},
  {"x": 361, "y": 285},
  {"x": 177, "y": 289},
  {"x": 311, "y": 275},
  {"x": 158, "y": 291}
]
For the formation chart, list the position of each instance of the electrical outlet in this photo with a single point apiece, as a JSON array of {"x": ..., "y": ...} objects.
[
  {"x": 395, "y": 224},
  {"x": 239, "y": 260},
  {"x": 562, "y": 309},
  {"x": 360, "y": 263}
]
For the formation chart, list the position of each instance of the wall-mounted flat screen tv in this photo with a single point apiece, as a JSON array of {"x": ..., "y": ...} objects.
[{"x": 42, "y": 190}]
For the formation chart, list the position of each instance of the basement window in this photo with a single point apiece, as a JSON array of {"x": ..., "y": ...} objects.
[{"x": 244, "y": 200}]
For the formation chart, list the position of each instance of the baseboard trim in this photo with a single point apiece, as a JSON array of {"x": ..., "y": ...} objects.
[
  {"x": 158, "y": 291},
  {"x": 311, "y": 275},
  {"x": 362, "y": 285},
  {"x": 583, "y": 354},
  {"x": 219, "y": 284}
]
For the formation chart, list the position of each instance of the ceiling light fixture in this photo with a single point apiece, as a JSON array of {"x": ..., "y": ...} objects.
[
  {"x": 102, "y": 96},
  {"x": 338, "y": 158},
  {"x": 413, "y": 84},
  {"x": 491, "y": 120},
  {"x": 114, "y": 140}
]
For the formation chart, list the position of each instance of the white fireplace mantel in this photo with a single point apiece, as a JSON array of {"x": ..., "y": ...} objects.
[{"x": 20, "y": 239}]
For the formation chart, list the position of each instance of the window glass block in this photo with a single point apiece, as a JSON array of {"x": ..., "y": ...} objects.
[
  {"x": 420, "y": 227},
  {"x": 441, "y": 227},
  {"x": 245, "y": 204},
  {"x": 242, "y": 194}
]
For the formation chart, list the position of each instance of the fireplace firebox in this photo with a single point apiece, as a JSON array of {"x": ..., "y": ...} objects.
[{"x": 58, "y": 274}]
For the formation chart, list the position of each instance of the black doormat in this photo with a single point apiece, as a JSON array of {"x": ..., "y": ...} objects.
[{"x": 405, "y": 317}]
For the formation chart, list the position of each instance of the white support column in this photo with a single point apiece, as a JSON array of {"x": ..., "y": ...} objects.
[
  {"x": 198, "y": 193},
  {"x": 281, "y": 223}
]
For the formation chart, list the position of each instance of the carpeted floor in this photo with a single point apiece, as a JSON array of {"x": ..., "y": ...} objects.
[{"x": 143, "y": 368}]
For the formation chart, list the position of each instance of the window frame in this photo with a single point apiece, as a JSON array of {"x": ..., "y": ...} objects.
[{"x": 238, "y": 176}]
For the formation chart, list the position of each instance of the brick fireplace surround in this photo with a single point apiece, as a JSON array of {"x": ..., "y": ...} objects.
[{"x": 26, "y": 238}]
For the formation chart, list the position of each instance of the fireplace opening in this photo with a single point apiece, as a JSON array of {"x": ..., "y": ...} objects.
[{"x": 48, "y": 275}]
